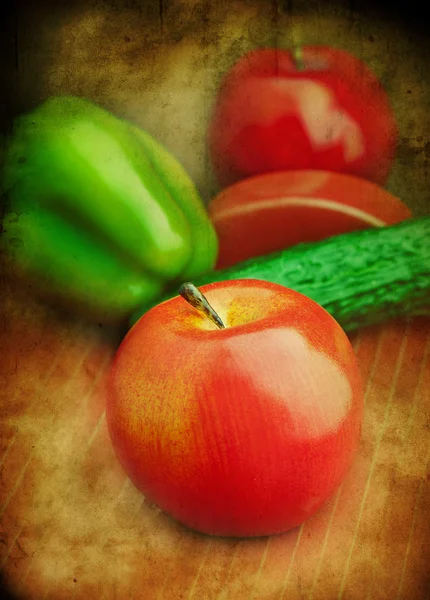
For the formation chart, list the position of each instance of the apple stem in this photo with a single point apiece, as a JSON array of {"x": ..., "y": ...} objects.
[
  {"x": 193, "y": 296},
  {"x": 297, "y": 54}
]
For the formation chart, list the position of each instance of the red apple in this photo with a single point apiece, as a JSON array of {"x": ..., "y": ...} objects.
[
  {"x": 314, "y": 108},
  {"x": 240, "y": 431},
  {"x": 270, "y": 212}
]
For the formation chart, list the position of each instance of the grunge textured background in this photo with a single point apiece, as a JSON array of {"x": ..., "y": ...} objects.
[
  {"x": 71, "y": 525},
  {"x": 159, "y": 63}
]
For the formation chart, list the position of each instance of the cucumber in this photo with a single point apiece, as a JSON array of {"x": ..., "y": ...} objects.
[{"x": 360, "y": 278}]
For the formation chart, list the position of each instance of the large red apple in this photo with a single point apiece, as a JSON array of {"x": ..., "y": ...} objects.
[
  {"x": 313, "y": 108},
  {"x": 241, "y": 431}
]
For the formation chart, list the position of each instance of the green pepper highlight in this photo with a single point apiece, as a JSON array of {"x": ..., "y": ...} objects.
[{"x": 97, "y": 212}]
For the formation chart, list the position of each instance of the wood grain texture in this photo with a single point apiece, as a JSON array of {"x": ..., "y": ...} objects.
[{"x": 73, "y": 526}]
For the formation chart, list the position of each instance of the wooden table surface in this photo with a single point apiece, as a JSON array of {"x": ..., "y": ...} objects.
[{"x": 71, "y": 524}]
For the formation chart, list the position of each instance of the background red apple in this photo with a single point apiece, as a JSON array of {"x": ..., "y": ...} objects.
[
  {"x": 241, "y": 431},
  {"x": 316, "y": 108},
  {"x": 270, "y": 212}
]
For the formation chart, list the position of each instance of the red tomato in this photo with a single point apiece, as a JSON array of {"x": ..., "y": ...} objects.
[
  {"x": 240, "y": 431},
  {"x": 323, "y": 109},
  {"x": 271, "y": 212}
]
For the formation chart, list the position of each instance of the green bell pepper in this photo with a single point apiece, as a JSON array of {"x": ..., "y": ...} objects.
[{"x": 97, "y": 213}]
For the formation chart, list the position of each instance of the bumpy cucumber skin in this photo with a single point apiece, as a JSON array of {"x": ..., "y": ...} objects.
[{"x": 360, "y": 278}]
